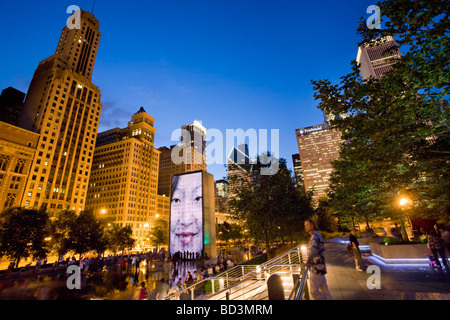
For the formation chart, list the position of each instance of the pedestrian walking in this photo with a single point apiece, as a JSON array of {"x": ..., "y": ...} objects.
[
  {"x": 137, "y": 263},
  {"x": 355, "y": 248},
  {"x": 124, "y": 264},
  {"x": 437, "y": 246},
  {"x": 316, "y": 263},
  {"x": 162, "y": 290},
  {"x": 81, "y": 265},
  {"x": 446, "y": 236},
  {"x": 38, "y": 264}
]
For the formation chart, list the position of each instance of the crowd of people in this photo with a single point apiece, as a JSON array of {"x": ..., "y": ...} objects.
[
  {"x": 186, "y": 271},
  {"x": 92, "y": 263},
  {"x": 149, "y": 272}
]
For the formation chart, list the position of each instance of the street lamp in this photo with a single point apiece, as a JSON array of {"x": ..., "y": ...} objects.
[{"x": 403, "y": 203}]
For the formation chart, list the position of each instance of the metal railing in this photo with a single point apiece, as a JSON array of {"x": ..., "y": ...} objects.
[
  {"x": 220, "y": 287},
  {"x": 300, "y": 290},
  {"x": 253, "y": 285}
]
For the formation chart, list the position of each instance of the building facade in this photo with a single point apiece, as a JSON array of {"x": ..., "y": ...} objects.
[
  {"x": 63, "y": 106},
  {"x": 222, "y": 188},
  {"x": 124, "y": 177},
  {"x": 317, "y": 147},
  {"x": 236, "y": 158},
  {"x": 17, "y": 150},
  {"x": 298, "y": 172},
  {"x": 377, "y": 57},
  {"x": 189, "y": 156}
]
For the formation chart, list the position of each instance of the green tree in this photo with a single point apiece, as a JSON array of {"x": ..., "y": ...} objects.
[
  {"x": 270, "y": 207},
  {"x": 159, "y": 235},
  {"x": 59, "y": 229},
  {"x": 397, "y": 126},
  {"x": 88, "y": 233},
  {"x": 120, "y": 238},
  {"x": 229, "y": 231},
  {"x": 325, "y": 216},
  {"x": 22, "y": 233}
]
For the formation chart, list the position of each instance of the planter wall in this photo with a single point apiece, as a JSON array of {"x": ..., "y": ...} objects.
[{"x": 401, "y": 253}]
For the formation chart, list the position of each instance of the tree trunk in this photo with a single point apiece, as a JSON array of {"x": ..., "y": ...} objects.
[{"x": 367, "y": 221}]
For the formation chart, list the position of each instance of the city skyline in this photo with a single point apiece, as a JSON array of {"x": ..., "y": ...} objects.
[{"x": 229, "y": 65}]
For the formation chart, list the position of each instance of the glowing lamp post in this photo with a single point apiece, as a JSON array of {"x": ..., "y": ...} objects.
[{"x": 403, "y": 203}]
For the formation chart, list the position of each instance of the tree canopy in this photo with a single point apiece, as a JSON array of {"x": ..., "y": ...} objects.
[
  {"x": 270, "y": 206},
  {"x": 22, "y": 233},
  {"x": 396, "y": 126}
]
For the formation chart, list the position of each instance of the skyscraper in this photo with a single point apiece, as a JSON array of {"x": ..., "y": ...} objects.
[
  {"x": 377, "y": 57},
  {"x": 222, "y": 188},
  {"x": 236, "y": 158},
  {"x": 11, "y": 104},
  {"x": 124, "y": 177},
  {"x": 298, "y": 172},
  {"x": 317, "y": 147},
  {"x": 194, "y": 142},
  {"x": 63, "y": 106},
  {"x": 191, "y": 154}
]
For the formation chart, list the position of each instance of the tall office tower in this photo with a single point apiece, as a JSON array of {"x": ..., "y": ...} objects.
[
  {"x": 17, "y": 150},
  {"x": 189, "y": 156},
  {"x": 317, "y": 147},
  {"x": 11, "y": 104},
  {"x": 329, "y": 116},
  {"x": 236, "y": 158},
  {"x": 63, "y": 106},
  {"x": 222, "y": 188},
  {"x": 377, "y": 57},
  {"x": 194, "y": 141},
  {"x": 124, "y": 176},
  {"x": 298, "y": 172},
  {"x": 221, "y": 202}
]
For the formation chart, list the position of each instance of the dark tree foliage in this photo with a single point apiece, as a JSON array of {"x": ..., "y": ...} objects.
[
  {"x": 22, "y": 233},
  {"x": 397, "y": 128},
  {"x": 270, "y": 206}
]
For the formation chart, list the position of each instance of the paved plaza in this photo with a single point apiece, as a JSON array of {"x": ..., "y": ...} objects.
[{"x": 397, "y": 282}]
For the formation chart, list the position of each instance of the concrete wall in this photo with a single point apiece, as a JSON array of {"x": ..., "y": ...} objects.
[{"x": 400, "y": 254}]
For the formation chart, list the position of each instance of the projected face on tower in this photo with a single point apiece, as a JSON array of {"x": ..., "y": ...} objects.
[{"x": 186, "y": 214}]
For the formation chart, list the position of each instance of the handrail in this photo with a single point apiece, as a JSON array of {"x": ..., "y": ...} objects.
[
  {"x": 296, "y": 287},
  {"x": 254, "y": 275},
  {"x": 303, "y": 284},
  {"x": 239, "y": 273}
]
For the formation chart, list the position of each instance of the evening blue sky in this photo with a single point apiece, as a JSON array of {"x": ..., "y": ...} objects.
[{"x": 231, "y": 64}]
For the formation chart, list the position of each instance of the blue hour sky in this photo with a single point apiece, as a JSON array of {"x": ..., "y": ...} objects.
[{"x": 232, "y": 64}]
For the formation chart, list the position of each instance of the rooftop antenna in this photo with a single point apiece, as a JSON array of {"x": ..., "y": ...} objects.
[{"x": 92, "y": 11}]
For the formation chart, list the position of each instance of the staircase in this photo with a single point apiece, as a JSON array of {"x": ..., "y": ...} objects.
[{"x": 249, "y": 282}]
